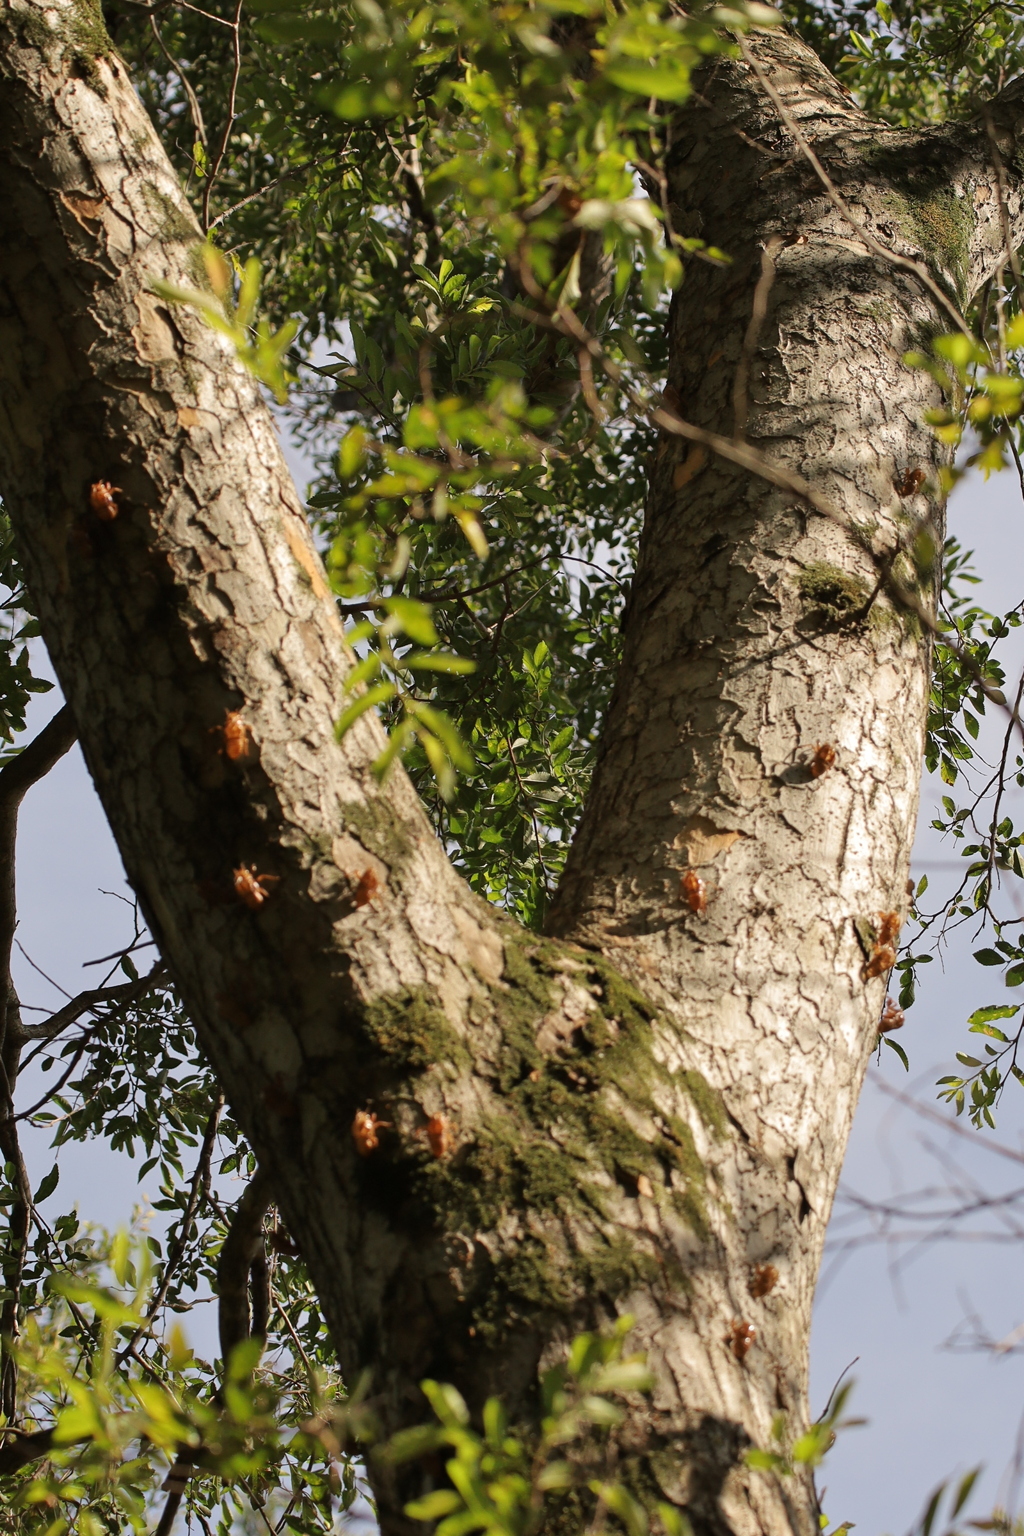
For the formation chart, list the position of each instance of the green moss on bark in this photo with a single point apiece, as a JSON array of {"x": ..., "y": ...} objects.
[
  {"x": 831, "y": 596},
  {"x": 576, "y": 1129},
  {"x": 82, "y": 37},
  {"x": 707, "y": 1101},
  {"x": 941, "y": 224},
  {"x": 411, "y": 1033},
  {"x": 172, "y": 224},
  {"x": 380, "y": 833}
]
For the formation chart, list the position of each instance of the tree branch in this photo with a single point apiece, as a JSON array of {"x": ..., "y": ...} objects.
[
  {"x": 242, "y": 1246},
  {"x": 200, "y": 1184},
  {"x": 218, "y": 159},
  {"x": 108, "y": 998}
]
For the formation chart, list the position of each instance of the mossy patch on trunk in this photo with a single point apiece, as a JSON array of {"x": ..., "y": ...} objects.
[{"x": 537, "y": 1182}]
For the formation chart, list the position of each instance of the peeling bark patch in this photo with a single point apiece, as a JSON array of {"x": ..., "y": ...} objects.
[
  {"x": 306, "y": 559},
  {"x": 87, "y": 210},
  {"x": 701, "y": 841},
  {"x": 690, "y": 467}
]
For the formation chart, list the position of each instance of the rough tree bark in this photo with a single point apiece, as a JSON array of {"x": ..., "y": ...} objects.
[{"x": 654, "y": 1101}]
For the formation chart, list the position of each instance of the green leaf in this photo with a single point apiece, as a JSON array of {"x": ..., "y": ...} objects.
[
  {"x": 624, "y": 1376},
  {"x": 48, "y": 1185},
  {"x": 379, "y": 694},
  {"x": 598, "y": 1410},
  {"x": 245, "y": 1357},
  {"x": 646, "y": 81},
  {"x": 443, "y": 1501},
  {"x": 448, "y": 1404},
  {"x": 120, "y": 1257},
  {"x": 963, "y": 1493},
  {"x": 495, "y": 1422},
  {"x": 414, "y": 618},
  {"x": 900, "y": 1052},
  {"x": 673, "y": 1521},
  {"x": 352, "y": 453},
  {"x": 622, "y": 1504},
  {"x": 439, "y": 661},
  {"x": 556, "y": 1475},
  {"x": 411, "y": 1444},
  {"x": 993, "y": 1011},
  {"x": 988, "y": 1029},
  {"x": 989, "y": 957}
]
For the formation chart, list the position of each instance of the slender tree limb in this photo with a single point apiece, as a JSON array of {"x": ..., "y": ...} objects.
[
  {"x": 222, "y": 147},
  {"x": 193, "y": 100},
  {"x": 19, "y": 1448},
  {"x": 33, "y": 762},
  {"x": 197, "y": 1189},
  {"x": 758, "y": 311},
  {"x": 18, "y": 1228},
  {"x": 270, "y": 185},
  {"x": 242, "y": 1245},
  {"x": 109, "y": 999},
  {"x": 16, "y": 778}
]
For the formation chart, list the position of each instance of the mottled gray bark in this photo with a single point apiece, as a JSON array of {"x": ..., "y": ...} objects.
[{"x": 644, "y": 1109}]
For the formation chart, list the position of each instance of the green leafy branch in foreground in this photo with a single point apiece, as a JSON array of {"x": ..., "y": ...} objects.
[
  {"x": 506, "y": 1483},
  {"x": 115, "y": 1433},
  {"x": 525, "y": 127},
  {"x": 444, "y": 748},
  {"x": 266, "y": 1438},
  {"x": 259, "y": 349}
]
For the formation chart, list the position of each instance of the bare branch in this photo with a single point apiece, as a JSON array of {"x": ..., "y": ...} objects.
[
  {"x": 242, "y": 1245},
  {"x": 222, "y": 147},
  {"x": 758, "y": 310},
  {"x": 107, "y": 999},
  {"x": 193, "y": 100}
]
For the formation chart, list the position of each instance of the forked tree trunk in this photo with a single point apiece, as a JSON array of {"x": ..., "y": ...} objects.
[{"x": 656, "y": 1101}]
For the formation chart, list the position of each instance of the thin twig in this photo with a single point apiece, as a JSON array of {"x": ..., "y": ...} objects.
[
  {"x": 442, "y": 595},
  {"x": 193, "y": 100},
  {"x": 222, "y": 147},
  {"x": 758, "y": 310},
  {"x": 119, "y": 954},
  {"x": 200, "y": 1180},
  {"x": 296, "y": 1340},
  {"x": 270, "y": 185}
]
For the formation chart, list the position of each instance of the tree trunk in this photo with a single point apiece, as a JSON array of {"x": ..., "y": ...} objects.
[{"x": 645, "y": 1108}]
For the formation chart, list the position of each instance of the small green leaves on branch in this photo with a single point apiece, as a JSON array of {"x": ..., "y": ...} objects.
[
  {"x": 983, "y": 392},
  {"x": 261, "y": 351},
  {"x": 504, "y": 1482},
  {"x": 381, "y": 678},
  {"x": 808, "y": 1449}
]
